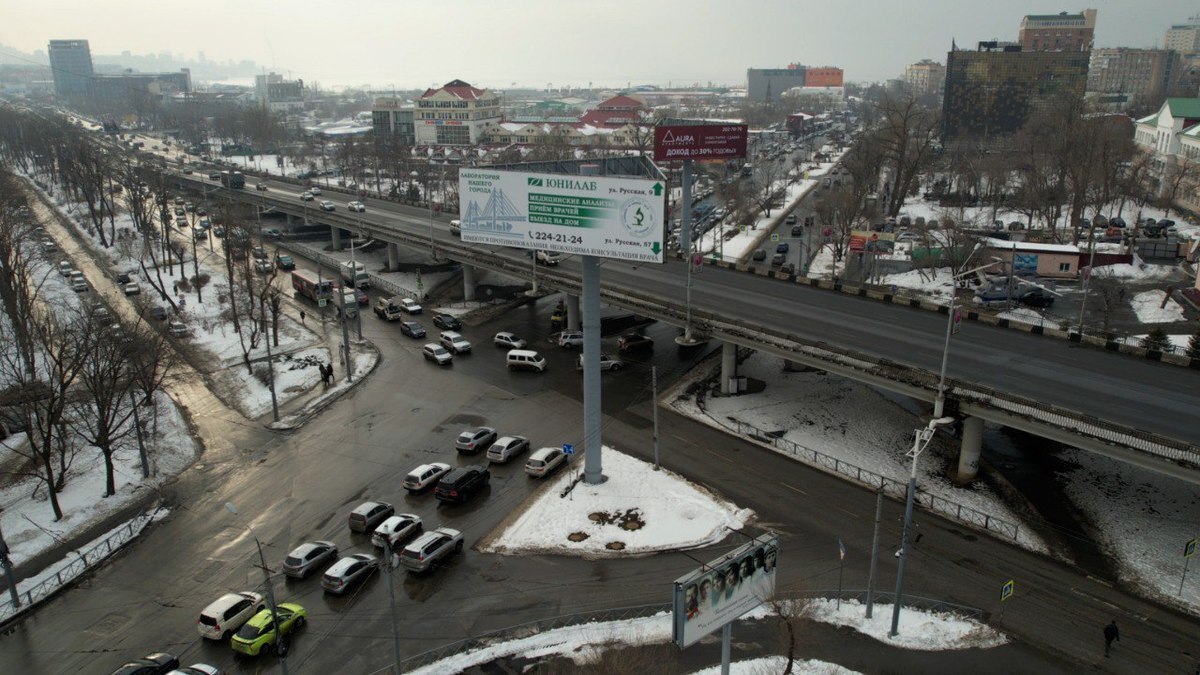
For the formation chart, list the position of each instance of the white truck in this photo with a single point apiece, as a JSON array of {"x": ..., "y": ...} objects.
[
  {"x": 388, "y": 310},
  {"x": 355, "y": 274}
]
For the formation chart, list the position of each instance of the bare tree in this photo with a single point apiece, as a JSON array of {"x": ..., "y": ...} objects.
[
  {"x": 102, "y": 416},
  {"x": 906, "y": 134}
]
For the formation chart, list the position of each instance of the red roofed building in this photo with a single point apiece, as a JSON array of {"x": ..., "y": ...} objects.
[
  {"x": 615, "y": 112},
  {"x": 455, "y": 114}
]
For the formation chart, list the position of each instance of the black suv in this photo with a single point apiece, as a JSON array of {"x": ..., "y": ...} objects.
[{"x": 461, "y": 484}]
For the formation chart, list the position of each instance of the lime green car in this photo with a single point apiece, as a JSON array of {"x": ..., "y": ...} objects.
[{"x": 258, "y": 634}]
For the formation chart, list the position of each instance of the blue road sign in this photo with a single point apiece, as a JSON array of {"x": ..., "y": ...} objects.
[
  {"x": 1006, "y": 590},
  {"x": 1189, "y": 549},
  {"x": 568, "y": 449}
]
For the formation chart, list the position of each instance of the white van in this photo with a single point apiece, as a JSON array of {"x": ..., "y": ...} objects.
[
  {"x": 226, "y": 614},
  {"x": 525, "y": 359}
]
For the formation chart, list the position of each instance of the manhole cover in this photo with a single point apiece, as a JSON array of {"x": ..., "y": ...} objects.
[
  {"x": 615, "y": 546},
  {"x": 577, "y": 536}
]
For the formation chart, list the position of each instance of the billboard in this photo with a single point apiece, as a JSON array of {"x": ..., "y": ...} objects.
[
  {"x": 583, "y": 215},
  {"x": 699, "y": 141},
  {"x": 724, "y": 589},
  {"x": 872, "y": 242}
]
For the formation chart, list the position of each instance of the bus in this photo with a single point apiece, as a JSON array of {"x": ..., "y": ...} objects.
[
  {"x": 233, "y": 179},
  {"x": 307, "y": 285}
]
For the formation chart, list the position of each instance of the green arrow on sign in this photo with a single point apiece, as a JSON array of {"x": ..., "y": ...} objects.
[
  {"x": 656, "y": 247},
  {"x": 658, "y": 189}
]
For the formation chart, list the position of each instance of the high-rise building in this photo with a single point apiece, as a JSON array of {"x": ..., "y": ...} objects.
[
  {"x": 1184, "y": 37},
  {"x": 925, "y": 77},
  {"x": 276, "y": 93},
  {"x": 764, "y": 85},
  {"x": 455, "y": 114},
  {"x": 1129, "y": 77},
  {"x": 71, "y": 66},
  {"x": 1061, "y": 32},
  {"x": 992, "y": 92},
  {"x": 391, "y": 117}
]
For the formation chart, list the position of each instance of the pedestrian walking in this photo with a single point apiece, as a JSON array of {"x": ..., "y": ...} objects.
[
  {"x": 175, "y": 287},
  {"x": 1110, "y": 633},
  {"x": 301, "y": 317}
]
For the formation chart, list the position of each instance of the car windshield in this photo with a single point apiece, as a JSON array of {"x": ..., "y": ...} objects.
[{"x": 250, "y": 632}]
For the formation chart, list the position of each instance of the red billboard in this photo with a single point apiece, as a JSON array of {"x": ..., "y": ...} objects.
[{"x": 699, "y": 141}]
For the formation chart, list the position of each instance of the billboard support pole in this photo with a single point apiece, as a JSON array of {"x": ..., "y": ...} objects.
[
  {"x": 590, "y": 305},
  {"x": 874, "y": 553},
  {"x": 685, "y": 247},
  {"x": 726, "y": 639}
]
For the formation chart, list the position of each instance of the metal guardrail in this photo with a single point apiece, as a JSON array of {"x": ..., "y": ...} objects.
[
  {"x": 519, "y": 631},
  {"x": 87, "y": 559},
  {"x": 333, "y": 264}
]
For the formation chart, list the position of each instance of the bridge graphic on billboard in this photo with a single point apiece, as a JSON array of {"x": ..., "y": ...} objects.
[{"x": 495, "y": 217}]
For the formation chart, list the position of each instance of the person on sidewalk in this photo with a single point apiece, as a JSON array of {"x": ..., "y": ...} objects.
[
  {"x": 302, "y": 317},
  {"x": 1110, "y": 633}
]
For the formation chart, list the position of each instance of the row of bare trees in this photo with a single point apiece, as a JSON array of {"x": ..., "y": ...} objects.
[{"x": 68, "y": 373}]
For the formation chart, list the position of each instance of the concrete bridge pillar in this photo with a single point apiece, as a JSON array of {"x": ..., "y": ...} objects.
[
  {"x": 573, "y": 320},
  {"x": 728, "y": 367},
  {"x": 393, "y": 255},
  {"x": 968, "y": 453},
  {"x": 335, "y": 238},
  {"x": 468, "y": 282}
]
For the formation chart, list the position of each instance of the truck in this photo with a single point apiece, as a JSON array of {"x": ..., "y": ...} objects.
[
  {"x": 355, "y": 274},
  {"x": 233, "y": 179},
  {"x": 387, "y": 310},
  {"x": 309, "y": 286}
]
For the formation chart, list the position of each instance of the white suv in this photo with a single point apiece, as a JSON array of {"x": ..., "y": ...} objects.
[
  {"x": 455, "y": 342},
  {"x": 570, "y": 339},
  {"x": 227, "y": 613}
]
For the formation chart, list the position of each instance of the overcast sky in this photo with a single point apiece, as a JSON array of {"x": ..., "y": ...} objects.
[{"x": 536, "y": 42}]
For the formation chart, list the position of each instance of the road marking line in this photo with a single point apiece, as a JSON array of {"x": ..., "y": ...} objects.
[
  {"x": 794, "y": 488},
  {"x": 718, "y": 455}
]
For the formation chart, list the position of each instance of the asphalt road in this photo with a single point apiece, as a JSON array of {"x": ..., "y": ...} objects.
[
  {"x": 1126, "y": 390},
  {"x": 299, "y": 486}
]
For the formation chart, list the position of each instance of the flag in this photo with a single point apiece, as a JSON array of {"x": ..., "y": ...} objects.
[{"x": 841, "y": 550}]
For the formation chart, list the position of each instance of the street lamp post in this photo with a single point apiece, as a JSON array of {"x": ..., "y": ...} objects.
[
  {"x": 270, "y": 592},
  {"x": 920, "y": 442}
]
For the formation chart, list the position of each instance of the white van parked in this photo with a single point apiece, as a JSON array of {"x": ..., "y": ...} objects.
[{"x": 525, "y": 359}]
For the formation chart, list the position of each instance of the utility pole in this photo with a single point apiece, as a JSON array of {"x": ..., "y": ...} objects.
[
  {"x": 262, "y": 559},
  {"x": 654, "y": 409},
  {"x": 874, "y": 553},
  {"x": 392, "y": 606}
]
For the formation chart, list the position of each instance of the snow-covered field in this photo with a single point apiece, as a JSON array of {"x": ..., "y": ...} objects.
[
  {"x": 1155, "y": 307},
  {"x": 852, "y": 422},
  {"x": 637, "y": 510},
  {"x": 920, "y": 629}
]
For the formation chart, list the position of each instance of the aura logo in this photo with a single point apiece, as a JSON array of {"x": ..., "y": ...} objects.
[{"x": 670, "y": 138}]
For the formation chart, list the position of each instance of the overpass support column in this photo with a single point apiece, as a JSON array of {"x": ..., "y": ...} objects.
[
  {"x": 968, "y": 453},
  {"x": 335, "y": 237},
  {"x": 393, "y": 254},
  {"x": 728, "y": 367},
  {"x": 468, "y": 282},
  {"x": 573, "y": 321}
]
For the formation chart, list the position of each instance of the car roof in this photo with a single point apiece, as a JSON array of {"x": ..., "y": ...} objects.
[
  {"x": 541, "y": 453},
  {"x": 425, "y": 467},
  {"x": 310, "y": 545},
  {"x": 367, "y": 507},
  {"x": 509, "y": 439},
  {"x": 449, "y": 334}
]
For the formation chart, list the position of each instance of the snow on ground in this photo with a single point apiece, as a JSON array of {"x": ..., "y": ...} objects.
[
  {"x": 295, "y": 374},
  {"x": 673, "y": 513},
  {"x": 852, "y": 422},
  {"x": 65, "y": 570},
  {"x": 935, "y": 282},
  {"x": 1030, "y": 316},
  {"x": 1149, "y": 307},
  {"x": 28, "y": 521},
  {"x": 1179, "y": 342},
  {"x": 1139, "y": 271},
  {"x": 777, "y": 664},
  {"x": 1144, "y": 517},
  {"x": 918, "y": 629}
]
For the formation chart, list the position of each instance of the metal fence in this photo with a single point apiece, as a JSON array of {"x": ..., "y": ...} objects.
[
  {"x": 948, "y": 508},
  {"x": 333, "y": 264},
  {"x": 86, "y": 560},
  {"x": 519, "y": 631}
]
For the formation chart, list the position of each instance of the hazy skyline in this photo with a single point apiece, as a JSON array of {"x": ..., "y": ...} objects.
[{"x": 535, "y": 43}]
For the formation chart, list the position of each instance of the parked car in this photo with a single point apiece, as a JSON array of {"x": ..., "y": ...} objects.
[
  {"x": 79, "y": 285},
  {"x": 787, "y": 268},
  {"x": 447, "y": 322},
  {"x": 412, "y": 329},
  {"x": 327, "y": 205},
  {"x": 437, "y": 353},
  {"x": 425, "y": 475},
  {"x": 525, "y": 359},
  {"x": 431, "y": 549},
  {"x": 507, "y": 447},
  {"x": 368, "y": 515},
  {"x": 65, "y": 268},
  {"x": 151, "y": 664},
  {"x": 259, "y": 633},
  {"x": 177, "y": 329},
  {"x": 348, "y": 571},
  {"x": 791, "y": 219},
  {"x": 227, "y": 613},
  {"x": 263, "y": 266},
  {"x": 285, "y": 262},
  {"x": 474, "y": 440},
  {"x": 759, "y": 255},
  {"x": 461, "y": 484},
  {"x": 455, "y": 342},
  {"x": 778, "y": 259},
  {"x": 408, "y": 305},
  {"x": 456, "y": 227},
  {"x": 309, "y": 557},
  {"x": 196, "y": 668},
  {"x": 544, "y": 461},
  {"x": 272, "y": 233},
  {"x": 782, "y": 247},
  {"x": 607, "y": 362},
  {"x": 1036, "y": 297},
  {"x": 357, "y": 207},
  {"x": 508, "y": 340},
  {"x": 261, "y": 187},
  {"x": 158, "y": 313},
  {"x": 315, "y": 190},
  {"x": 396, "y": 530},
  {"x": 797, "y": 231},
  {"x": 634, "y": 343},
  {"x": 570, "y": 339}
]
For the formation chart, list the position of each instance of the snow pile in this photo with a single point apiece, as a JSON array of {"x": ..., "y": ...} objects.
[
  {"x": 919, "y": 629},
  {"x": 777, "y": 664},
  {"x": 637, "y": 510},
  {"x": 1155, "y": 307},
  {"x": 935, "y": 282}
]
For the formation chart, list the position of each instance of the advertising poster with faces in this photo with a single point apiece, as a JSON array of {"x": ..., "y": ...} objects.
[{"x": 725, "y": 589}]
